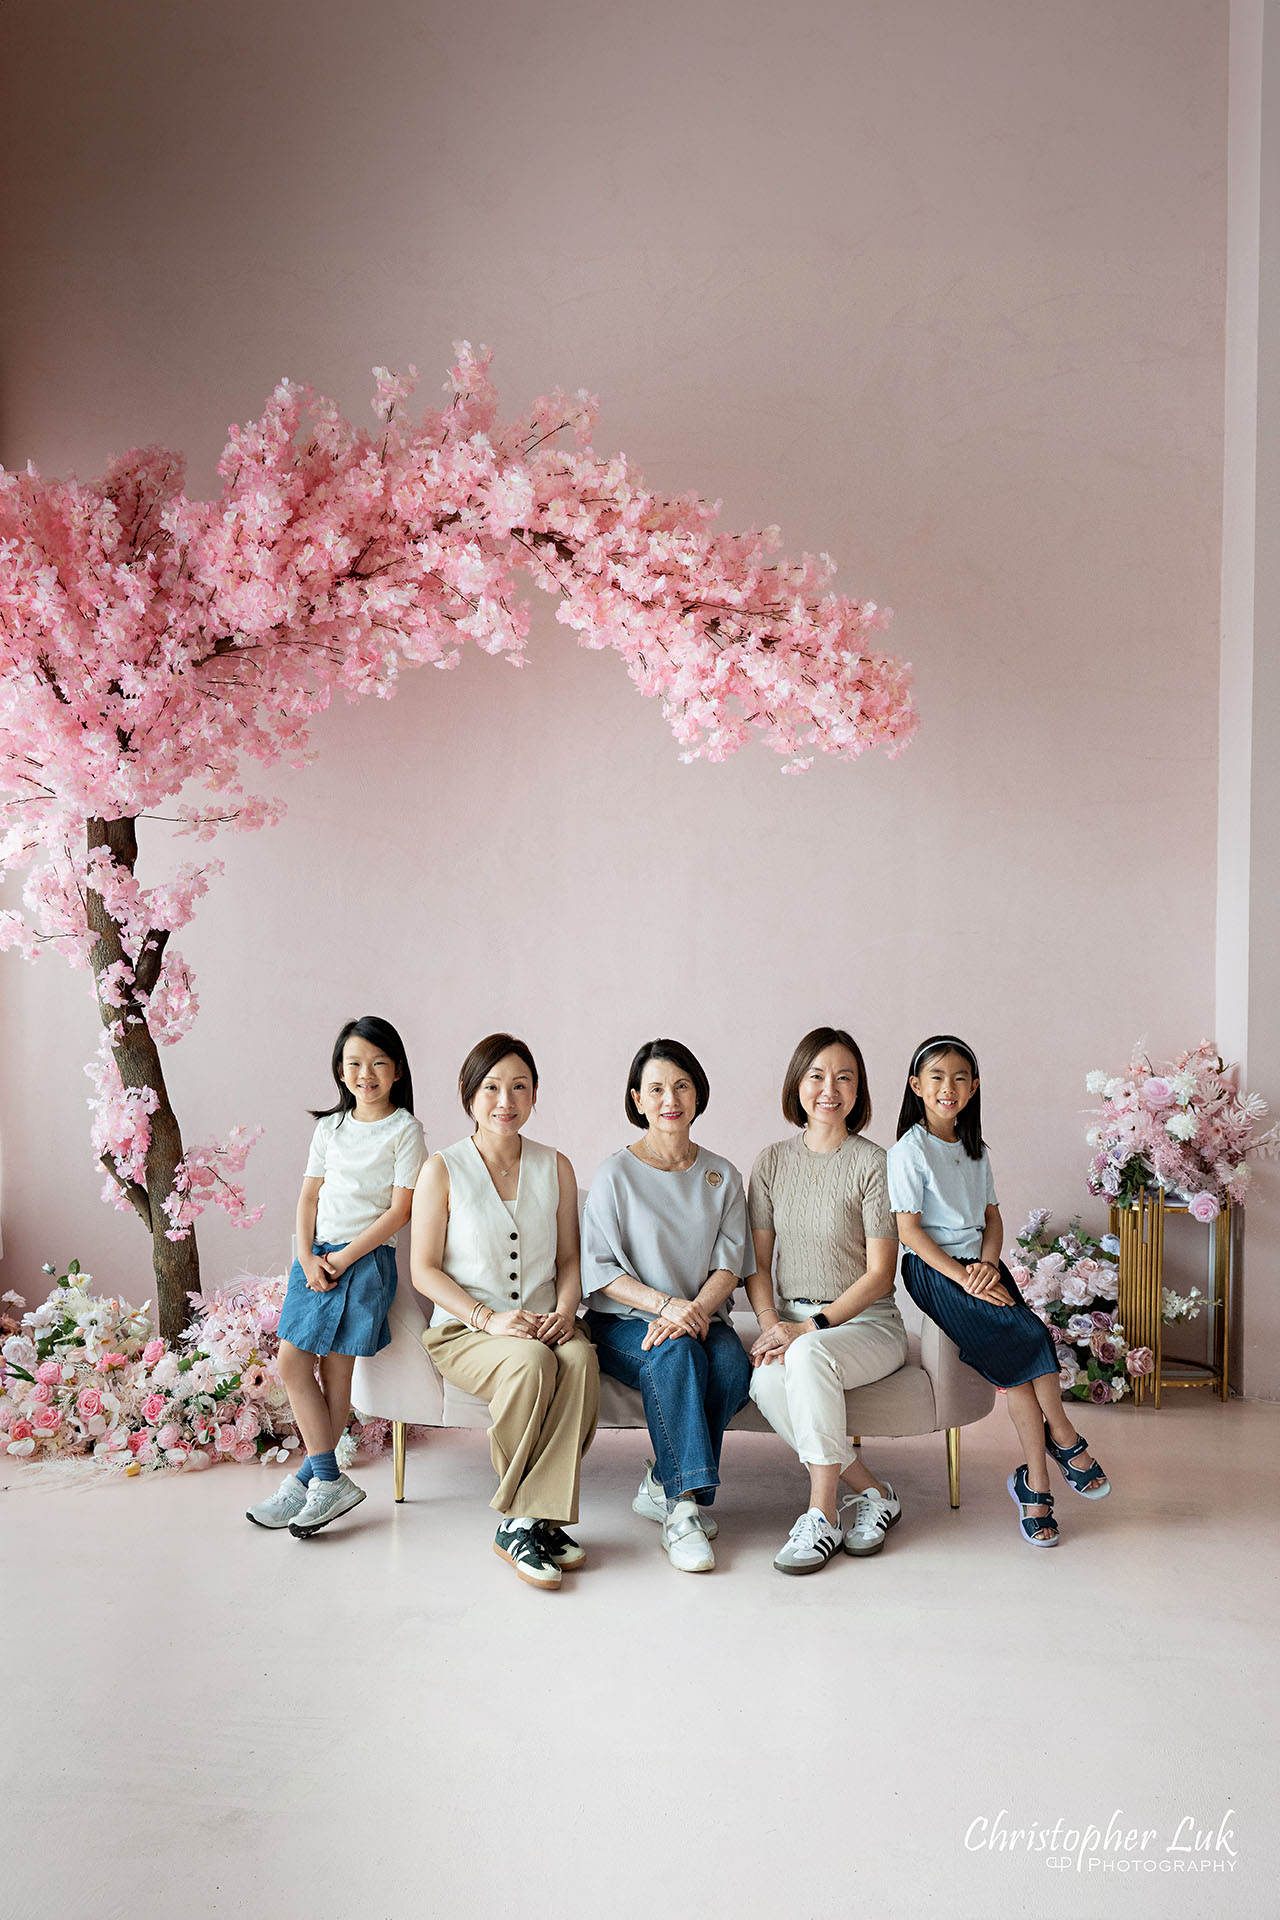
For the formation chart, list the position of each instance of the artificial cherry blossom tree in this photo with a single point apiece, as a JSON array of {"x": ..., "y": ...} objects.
[{"x": 151, "y": 645}]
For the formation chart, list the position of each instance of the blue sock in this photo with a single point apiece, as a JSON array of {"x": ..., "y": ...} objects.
[
  {"x": 323, "y": 1466},
  {"x": 306, "y": 1471}
]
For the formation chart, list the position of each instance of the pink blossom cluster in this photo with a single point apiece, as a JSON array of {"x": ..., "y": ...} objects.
[
  {"x": 152, "y": 644},
  {"x": 1188, "y": 1129},
  {"x": 1070, "y": 1281},
  {"x": 86, "y": 1376}
]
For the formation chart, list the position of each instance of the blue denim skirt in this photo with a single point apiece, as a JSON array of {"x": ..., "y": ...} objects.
[
  {"x": 1006, "y": 1345},
  {"x": 351, "y": 1317}
]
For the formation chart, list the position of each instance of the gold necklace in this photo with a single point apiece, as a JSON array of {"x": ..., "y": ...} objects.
[{"x": 669, "y": 1166}]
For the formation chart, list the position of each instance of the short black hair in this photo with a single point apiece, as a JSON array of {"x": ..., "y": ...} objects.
[
  {"x": 482, "y": 1060},
  {"x": 679, "y": 1056},
  {"x": 379, "y": 1033},
  {"x": 969, "y": 1122},
  {"x": 803, "y": 1058}
]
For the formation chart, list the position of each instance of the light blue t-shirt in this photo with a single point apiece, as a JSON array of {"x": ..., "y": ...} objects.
[{"x": 951, "y": 1193}]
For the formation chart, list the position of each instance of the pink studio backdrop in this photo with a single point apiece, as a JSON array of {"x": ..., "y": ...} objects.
[{"x": 937, "y": 289}]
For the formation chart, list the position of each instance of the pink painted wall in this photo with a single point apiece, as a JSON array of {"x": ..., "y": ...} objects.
[{"x": 938, "y": 289}]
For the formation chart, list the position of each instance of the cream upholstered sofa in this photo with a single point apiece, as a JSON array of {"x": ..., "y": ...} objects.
[{"x": 932, "y": 1392}]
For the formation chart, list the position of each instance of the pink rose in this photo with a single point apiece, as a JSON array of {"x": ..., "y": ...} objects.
[
  {"x": 41, "y": 1395},
  {"x": 226, "y": 1439},
  {"x": 1157, "y": 1094},
  {"x": 49, "y": 1372},
  {"x": 1021, "y": 1276},
  {"x": 1067, "y": 1371},
  {"x": 244, "y": 1451},
  {"x": 153, "y": 1351},
  {"x": 141, "y": 1448},
  {"x": 108, "y": 1360},
  {"x": 169, "y": 1436},
  {"x": 48, "y": 1420},
  {"x": 1077, "y": 1290},
  {"x": 153, "y": 1407},
  {"x": 1099, "y": 1393},
  {"x": 88, "y": 1403},
  {"x": 1140, "y": 1360},
  {"x": 21, "y": 1430},
  {"x": 1203, "y": 1207}
]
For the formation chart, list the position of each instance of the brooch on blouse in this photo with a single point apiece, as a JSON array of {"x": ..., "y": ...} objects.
[{"x": 714, "y": 1179}]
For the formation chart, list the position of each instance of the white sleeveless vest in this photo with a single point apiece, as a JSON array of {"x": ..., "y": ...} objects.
[{"x": 504, "y": 1261}]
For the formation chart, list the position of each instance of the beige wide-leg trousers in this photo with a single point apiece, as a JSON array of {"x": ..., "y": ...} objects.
[{"x": 544, "y": 1401}]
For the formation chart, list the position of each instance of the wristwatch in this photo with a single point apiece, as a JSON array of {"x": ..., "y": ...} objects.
[{"x": 820, "y": 1322}]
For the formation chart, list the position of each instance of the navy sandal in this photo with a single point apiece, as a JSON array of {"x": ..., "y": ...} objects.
[
  {"x": 1084, "y": 1480},
  {"x": 1032, "y": 1524}
]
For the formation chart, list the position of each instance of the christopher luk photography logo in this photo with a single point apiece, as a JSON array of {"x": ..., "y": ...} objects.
[{"x": 1186, "y": 1844}]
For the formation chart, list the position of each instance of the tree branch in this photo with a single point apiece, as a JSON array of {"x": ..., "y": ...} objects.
[
  {"x": 136, "y": 1195},
  {"x": 146, "y": 969}
]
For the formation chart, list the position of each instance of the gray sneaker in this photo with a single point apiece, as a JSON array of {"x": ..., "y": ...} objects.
[
  {"x": 810, "y": 1544},
  {"x": 651, "y": 1504},
  {"x": 285, "y": 1504},
  {"x": 326, "y": 1499},
  {"x": 870, "y": 1516}
]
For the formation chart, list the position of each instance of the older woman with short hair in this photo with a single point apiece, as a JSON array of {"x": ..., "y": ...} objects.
[
  {"x": 664, "y": 1244},
  {"x": 819, "y": 1209}
]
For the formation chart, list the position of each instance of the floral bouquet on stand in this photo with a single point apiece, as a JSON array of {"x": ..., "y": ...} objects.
[
  {"x": 1070, "y": 1281},
  {"x": 1189, "y": 1130},
  {"x": 83, "y": 1377}
]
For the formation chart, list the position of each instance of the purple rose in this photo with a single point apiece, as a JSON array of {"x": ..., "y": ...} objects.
[
  {"x": 1099, "y": 1393},
  {"x": 1104, "y": 1321},
  {"x": 1105, "y": 1350}
]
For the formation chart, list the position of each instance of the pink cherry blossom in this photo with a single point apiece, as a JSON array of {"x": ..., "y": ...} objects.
[{"x": 153, "y": 645}]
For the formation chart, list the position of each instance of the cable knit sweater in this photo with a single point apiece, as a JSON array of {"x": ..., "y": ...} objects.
[{"x": 823, "y": 1208}]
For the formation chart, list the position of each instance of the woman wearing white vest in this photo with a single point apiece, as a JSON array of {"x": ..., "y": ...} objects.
[{"x": 495, "y": 1247}]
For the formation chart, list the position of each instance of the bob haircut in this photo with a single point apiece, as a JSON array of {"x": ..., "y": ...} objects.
[
  {"x": 803, "y": 1058},
  {"x": 969, "y": 1123},
  {"x": 482, "y": 1060},
  {"x": 378, "y": 1033},
  {"x": 679, "y": 1057}
]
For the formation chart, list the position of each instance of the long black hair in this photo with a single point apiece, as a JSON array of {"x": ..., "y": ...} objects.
[
  {"x": 379, "y": 1033},
  {"x": 969, "y": 1120}
]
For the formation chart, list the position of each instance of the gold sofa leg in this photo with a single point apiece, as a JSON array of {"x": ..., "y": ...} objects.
[
  {"x": 953, "y": 1465},
  {"x": 398, "y": 1431}
]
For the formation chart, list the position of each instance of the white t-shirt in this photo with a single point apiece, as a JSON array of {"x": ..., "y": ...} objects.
[
  {"x": 360, "y": 1161},
  {"x": 951, "y": 1193}
]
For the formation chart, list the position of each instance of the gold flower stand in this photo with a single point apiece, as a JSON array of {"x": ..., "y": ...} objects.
[{"x": 1140, "y": 1230}]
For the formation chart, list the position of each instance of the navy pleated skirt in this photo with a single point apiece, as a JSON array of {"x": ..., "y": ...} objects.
[
  {"x": 1006, "y": 1345},
  {"x": 349, "y": 1318}
]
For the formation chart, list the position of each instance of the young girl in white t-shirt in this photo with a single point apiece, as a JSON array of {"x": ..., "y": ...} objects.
[
  {"x": 944, "y": 1199},
  {"x": 365, "y": 1156}
]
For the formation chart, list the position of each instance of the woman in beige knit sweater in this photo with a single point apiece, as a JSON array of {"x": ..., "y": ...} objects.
[{"x": 820, "y": 1219}]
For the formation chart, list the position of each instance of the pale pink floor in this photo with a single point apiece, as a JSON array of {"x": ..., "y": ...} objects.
[{"x": 384, "y": 1724}]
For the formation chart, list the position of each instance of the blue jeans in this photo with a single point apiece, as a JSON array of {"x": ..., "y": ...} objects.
[{"x": 691, "y": 1390}]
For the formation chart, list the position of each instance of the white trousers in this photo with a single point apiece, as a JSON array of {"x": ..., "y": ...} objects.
[{"x": 802, "y": 1397}]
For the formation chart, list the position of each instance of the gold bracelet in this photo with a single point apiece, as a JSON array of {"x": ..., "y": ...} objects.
[{"x": 760, "y": 1316}]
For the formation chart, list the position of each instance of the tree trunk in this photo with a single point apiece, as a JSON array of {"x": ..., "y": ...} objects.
[{"x": 176, "y": 1263}]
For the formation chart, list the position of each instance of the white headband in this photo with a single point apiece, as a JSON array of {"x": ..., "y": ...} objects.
[{"x": 943, "y": 1044}]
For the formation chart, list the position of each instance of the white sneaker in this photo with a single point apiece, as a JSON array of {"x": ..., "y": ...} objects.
[
  {"x": 651, "y": 1504},
  {"x": 871, "y": 1515},
  {"x": 326, "y": 1499},
  {"x": 285, "y": 1504},
  {"x": 810, "y": 1544},
  {"x": 688, "y": 1548}
]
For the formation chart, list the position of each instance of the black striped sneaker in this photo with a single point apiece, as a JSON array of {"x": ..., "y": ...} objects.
[
  {"x": 810, "y": 1544},
  {"x": 524, "y": 1549},
  {"x": 557, "y": 1546}
]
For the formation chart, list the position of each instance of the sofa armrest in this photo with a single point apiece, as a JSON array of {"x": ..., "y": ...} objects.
[{"x": 960, "y": 1395}]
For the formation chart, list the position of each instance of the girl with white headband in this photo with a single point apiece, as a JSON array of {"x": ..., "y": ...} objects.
[{"x": 944, "y": 1200}]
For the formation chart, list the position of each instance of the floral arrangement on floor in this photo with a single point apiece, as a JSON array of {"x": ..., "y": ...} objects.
[
  {"x": 1070, "y": 1281},
  {"x": 84, "y": 1377},
  {"x": 1188, "y": 1129}
]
